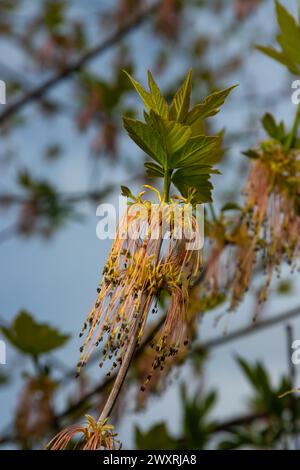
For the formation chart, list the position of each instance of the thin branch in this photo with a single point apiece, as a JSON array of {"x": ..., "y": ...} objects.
[
  {"x": 39, "y": 91},
  {"x": 210, "y": 344},
  {"x": 239, "y": 421},
  {"x": 73, "y": 197},
  {"x": 206, "y": 345},
  {"x": 252, "y": 329}
]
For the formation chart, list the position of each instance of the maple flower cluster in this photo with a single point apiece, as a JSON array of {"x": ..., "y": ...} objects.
[{"x": 139, "y": 267}]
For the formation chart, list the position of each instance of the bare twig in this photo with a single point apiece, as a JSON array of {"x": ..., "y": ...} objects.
[
  {"x": 239, "y": 421},
  {"x": 252, "y": 329},
  {"x": 41, "y": 90}
]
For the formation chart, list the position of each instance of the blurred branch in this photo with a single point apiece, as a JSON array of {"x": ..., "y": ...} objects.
[
  {"x": 239, "y": 421},
  {"x": 210, "y": 344},
  {"x": 70, "y": 197},
  {"x": 207, "y": 345},
  {"x": 252, "y": 329},
  {"x": 37, "y": 92},
  {"x": 66, "y": 198}
]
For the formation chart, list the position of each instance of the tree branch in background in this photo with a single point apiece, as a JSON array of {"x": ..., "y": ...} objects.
[
  {"x": 39, "y": 91},
  {"x": 205, "y": 346}
]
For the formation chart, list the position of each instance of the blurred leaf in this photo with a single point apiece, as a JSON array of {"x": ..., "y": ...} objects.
[
  {"x": 231, "y": 206},
  {"x": 265, "y": 398},
  {"x": 256, "y": 438},
  {"x": 33, "y": 338},
  {"x": 249, "y": 372},
  {"x": 44, "y": 208},
  {"x": 274, "y": 130},
  {"x": 284, "y": 287},
  {"x": 156, "y": 438},
  {"x": 54, "y": 14},
  {"x": 250, "y": 153},
  {"x": 278, "y": 56},
  {"x": 196, "y": 425},
  {"x": 288, "y": 40},
  {"x": 4, "y": 379}
]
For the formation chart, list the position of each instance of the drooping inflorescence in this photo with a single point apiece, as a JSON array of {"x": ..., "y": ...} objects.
[
  {"x": 139, "y": 269},
  {"x": 157, "y": 247},
  {"x": 266, "y": 229},
  {"x": 272, "y": 208},
  {"x": 151, "y": 253}
]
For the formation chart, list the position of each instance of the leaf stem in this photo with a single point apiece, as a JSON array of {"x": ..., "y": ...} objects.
[
  {"x": 167, "y": 184},
  {"x": 293, "y": 134}
]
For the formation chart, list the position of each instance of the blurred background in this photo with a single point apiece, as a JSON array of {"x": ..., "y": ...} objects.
[{"x": 63, "y": 152}]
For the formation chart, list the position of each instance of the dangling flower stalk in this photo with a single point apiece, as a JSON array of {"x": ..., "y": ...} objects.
[
  {"x": 137, "y": 271},
  {"x": 130, "y": 350},
  {"x": 147, "y": 267}
]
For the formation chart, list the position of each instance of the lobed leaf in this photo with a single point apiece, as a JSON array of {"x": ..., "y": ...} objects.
[
  {"x": 160, "y": 106},
  {"x": 210, "y": 107},
  {"x": 173, "y": 135},
  {"x": 181, "y": 101},
  {"x": 146, "y": 138},
  {"x": 288, "y": 39},
  {"x": 199, "y": 184},
  {"x": 146, "y": 97},
  {"x": 196, "y": 150},
  {"x": 154, "y": 170}
]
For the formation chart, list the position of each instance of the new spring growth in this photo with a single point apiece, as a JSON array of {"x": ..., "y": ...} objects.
[
  {"x": 141, "y": 266},
  {"x": 151, "y": 260}
]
